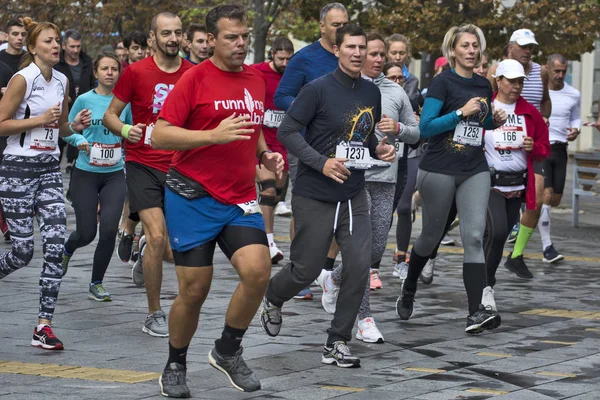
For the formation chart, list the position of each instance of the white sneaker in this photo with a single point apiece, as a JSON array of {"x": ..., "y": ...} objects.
[
  {"x": 427, "y": 273},
  {"x": 368, "y": 332},
  {"x": 448, "y": 241},
  {"x": 282, "y": 210},
  {"x": 322, "y": 277},
  {"x": 487, "y": 299},
  {"x": 276, "y": 254},
  {"x": 401, "y": 270},
  {"x": 330, "y": 294}
]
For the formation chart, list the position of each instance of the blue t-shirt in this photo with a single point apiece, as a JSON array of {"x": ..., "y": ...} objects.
[
  {"x": 96, "y": 132},
  {"x": 308, "y": 64}
]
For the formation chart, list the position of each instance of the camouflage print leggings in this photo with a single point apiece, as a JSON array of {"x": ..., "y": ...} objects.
[{"x": 32, "y": 186}]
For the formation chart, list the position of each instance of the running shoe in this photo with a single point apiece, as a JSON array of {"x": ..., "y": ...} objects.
[
  {"x": 551, "y": 255},
  {"x": 134, "y": 257},
  {"x": 483, "y": 319},
  {"x": 518, "y": 266},
  {"x": 270, "y": 318},
  {"x": 322, "y": 278},
  {"x": 137, "y": 271},
  {"x": 487, "y": 299},
  {"x": 405, "y": 304},
  {"x": 125, "y": 246},
  {"x": 46, "y": 339},
  {"x": 65, "y": 263},
  {"x": 173, "y": 382},
  {"x": 368, "y": 332},
  {"x": 330, "y": 295},
  {"x": 282, "y": 210},
  {"x": 448, "y": 241},
  {"x": 339, "y": 354},
  {"x": 235, "y": 368},
  {"x": 97, "y": 293},
  {"x": 276, "y": 254},
  {"x": 514, "y": 233},
  {"x": 375, "y": 280},
  {"x": 454, "y": 224},
  {"x": 401, "y": 270},
  {"x": 156, "y": 324},
  {"x": 427, "y": 274},
  {"x": 304, "y": 294}
]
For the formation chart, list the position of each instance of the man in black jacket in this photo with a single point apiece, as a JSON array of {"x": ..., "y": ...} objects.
[{"x": 78, "y": 67}]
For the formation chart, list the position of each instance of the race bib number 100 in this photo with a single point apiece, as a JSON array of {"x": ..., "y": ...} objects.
[
  {"x": 44, "y": 137},
  {"x": 105, "y": 155},
  {"x": 468, "y": 133}
]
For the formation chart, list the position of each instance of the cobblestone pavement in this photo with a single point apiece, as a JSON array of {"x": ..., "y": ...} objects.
[{"x": 548, "y": 346}]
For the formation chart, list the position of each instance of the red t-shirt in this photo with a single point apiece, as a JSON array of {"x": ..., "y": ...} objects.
[
  {"x": 146, "y": 87},
  {"x": 273, "y": 116},
  {"x": 203, "y": 98}
]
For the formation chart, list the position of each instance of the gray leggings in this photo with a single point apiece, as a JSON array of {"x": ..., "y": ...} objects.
[
  {"x": 404, "y": 225},
  {"x": 437, "y": 193}
]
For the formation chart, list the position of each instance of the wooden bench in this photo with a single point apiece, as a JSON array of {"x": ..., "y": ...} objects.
[{"x": 586, "y": 179}]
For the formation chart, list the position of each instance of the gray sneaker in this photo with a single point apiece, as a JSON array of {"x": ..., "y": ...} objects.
[
  {"x": 270, "y": 318},
  {"x": 137, "y": 272},
  {"x": 172, "y": 382},
  {"x": 240, "y": 376},
  {"x": 98, "y": 293},
  {"x": 156, "y": 324}
]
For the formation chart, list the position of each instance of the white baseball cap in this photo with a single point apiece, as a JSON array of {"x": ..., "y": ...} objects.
[
  {"x": 510, "y": 69},
  {"x": 523, "y": 37}
]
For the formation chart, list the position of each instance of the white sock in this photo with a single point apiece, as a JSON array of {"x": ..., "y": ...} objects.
[
  {"x": 270, "y": 239},
  {"x": 40, "y": 326},
  {"x": 544, "y": 226}
]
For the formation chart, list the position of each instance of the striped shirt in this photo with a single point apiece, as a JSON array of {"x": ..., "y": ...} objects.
[{"x": 533, "y": 87}]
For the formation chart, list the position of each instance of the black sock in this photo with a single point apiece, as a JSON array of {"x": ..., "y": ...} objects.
[
  {"x": 415, "y": 267},
  {"x": 376, "y": 265},
  {"x": 231, "y": 340},
  {"x": 329, "y": 264},
  {"x": 474, "y": 279},
  {"x": 177, "y": 355}
]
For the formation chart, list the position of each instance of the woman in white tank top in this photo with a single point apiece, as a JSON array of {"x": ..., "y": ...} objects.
[{"x": 33, "y": 113}]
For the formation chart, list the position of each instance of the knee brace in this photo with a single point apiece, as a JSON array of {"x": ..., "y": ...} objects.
[
  {"x": 267, "y": 184},
  {"x": 269, "y": 201}
]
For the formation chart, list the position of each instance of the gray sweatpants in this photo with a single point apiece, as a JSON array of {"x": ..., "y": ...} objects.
[{"x": 314, "y": 223}]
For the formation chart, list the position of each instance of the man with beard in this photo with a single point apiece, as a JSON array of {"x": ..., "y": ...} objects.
[
  {"x": 269, "y": 186},
  {"x": 146, "y": 84}
]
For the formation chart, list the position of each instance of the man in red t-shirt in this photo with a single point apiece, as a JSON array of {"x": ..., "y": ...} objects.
[
  {"x": 146, "y": 84},
  {"x": 269, "y": 186},
  {"x": 214, "y": 117}
]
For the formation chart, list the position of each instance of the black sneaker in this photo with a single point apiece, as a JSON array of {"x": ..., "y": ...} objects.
[
  {"x": 339, "y": 354},
  {"x": 483, "y": 319},
  {"x": 518, "y": 266},
  {"x": 404, "y": 304},
  {"x": 240, "y": 376},
  {"x": 172, "y": 382},
  {"x": 46, "y": 339},
  {"x": 125, "y": 246},
  {"x": 551, "y": 255}
]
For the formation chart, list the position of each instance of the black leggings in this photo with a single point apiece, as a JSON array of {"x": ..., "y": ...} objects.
[
  {"x": 87, "y": 189},
  {"x": 502, "y": 214}
]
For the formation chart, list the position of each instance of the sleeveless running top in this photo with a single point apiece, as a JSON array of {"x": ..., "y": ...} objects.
[
  {"x": 39, "y": 97},
  {"x": 533, "y": 87}
]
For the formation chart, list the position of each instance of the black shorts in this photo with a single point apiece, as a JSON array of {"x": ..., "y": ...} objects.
[
  {"x": 555, "y": 168},
  {"x": 145, "y": 187},
  {"x": 538, "y": 168}
]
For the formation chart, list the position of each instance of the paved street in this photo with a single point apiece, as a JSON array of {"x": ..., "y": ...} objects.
[{"x": 548, "y": 346}]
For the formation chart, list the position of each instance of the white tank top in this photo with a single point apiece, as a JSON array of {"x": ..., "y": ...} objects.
[
  {"x": 533, "y": 86},
  {"x": 39, "y": 97}
]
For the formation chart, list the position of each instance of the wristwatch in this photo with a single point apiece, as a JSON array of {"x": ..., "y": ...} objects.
[{"x": 459, "y": 113}]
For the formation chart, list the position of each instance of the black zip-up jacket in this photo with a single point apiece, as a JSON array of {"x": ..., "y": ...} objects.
[{"x": 87, "y": 81}]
